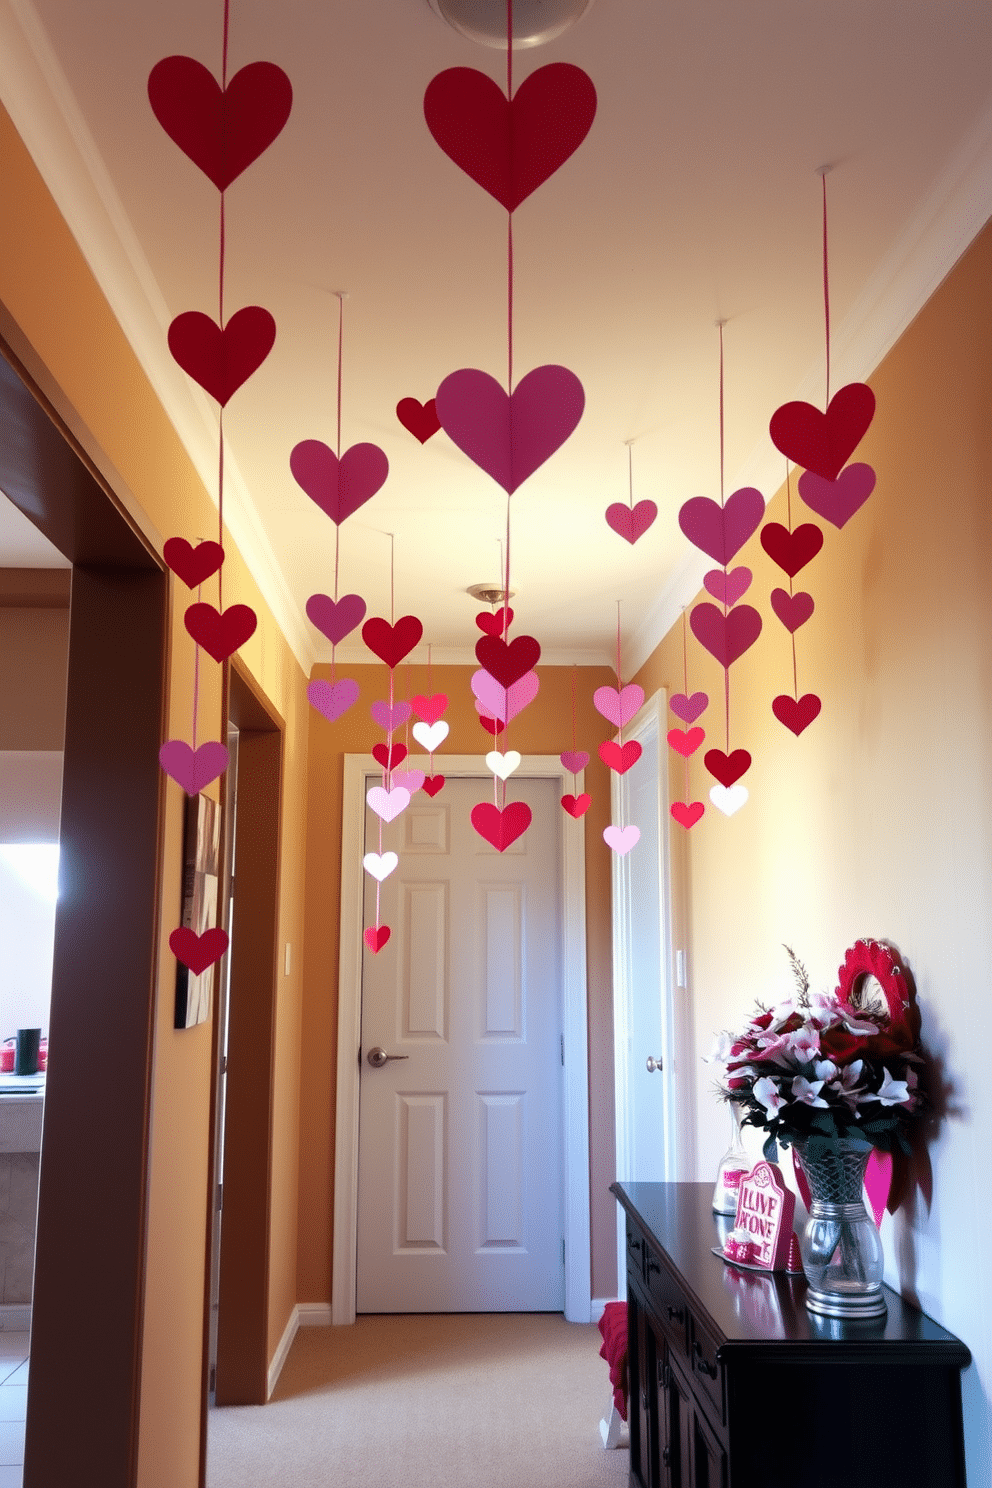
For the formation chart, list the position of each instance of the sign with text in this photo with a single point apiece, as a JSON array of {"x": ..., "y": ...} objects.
[{"x": 765, "y": 1210}]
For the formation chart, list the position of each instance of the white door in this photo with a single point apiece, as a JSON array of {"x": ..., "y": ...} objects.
[{"x": 460, "y": 1140}]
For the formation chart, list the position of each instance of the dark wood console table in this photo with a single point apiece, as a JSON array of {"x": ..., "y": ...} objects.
[{"x": 733, "y": 1384}]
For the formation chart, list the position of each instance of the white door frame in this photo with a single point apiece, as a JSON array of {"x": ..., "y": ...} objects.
[{"x": 575, "y": 1122}]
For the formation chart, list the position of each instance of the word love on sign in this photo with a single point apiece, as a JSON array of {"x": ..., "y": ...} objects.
[{"x": 765, "y": 1210}]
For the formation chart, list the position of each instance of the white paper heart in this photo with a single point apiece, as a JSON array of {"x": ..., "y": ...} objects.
[
  {"x": 380, "y": 865},
  {"x": 503, "y": 765},
  {"x": 430, "y": 735},
  {"x": 728, "y": 798},
  {"x": 388, "y": 804},
  {"x": 621, "y": 839}
]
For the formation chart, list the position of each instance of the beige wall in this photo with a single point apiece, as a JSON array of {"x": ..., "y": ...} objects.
[{"x": 34, "y": 645}]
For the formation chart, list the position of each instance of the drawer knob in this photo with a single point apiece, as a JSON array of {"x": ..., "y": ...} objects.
[
  {"x": 676, "y": 1315},
  {"x": 666, "y": 1455},
  {"x": 703, "y": 1365}
]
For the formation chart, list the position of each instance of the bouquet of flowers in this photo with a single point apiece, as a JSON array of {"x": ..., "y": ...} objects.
[{"x": 831, "y": 1065}]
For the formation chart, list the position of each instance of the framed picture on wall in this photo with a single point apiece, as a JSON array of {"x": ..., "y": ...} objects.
[{"x": 201, "y": 879}]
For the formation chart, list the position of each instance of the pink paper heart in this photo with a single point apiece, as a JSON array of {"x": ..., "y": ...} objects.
[
  {"x": 621, "y": 839},
  {"x": 338, "y": 487},
  {"x": 878, "y": 1181},
  {"x": 574, "y": 760},
  {"x": 430, "y": 709},
  {"x": 388, "y": 717},
  {"x": 503, "y": 703},
  {"x": 616, "y": 707},
  {"x": 332, "y": 698},
  {"x": 193, "y": 768},
  {"x": 221, "y": 132},
  {"x": 388, "y": 804},
  {"x": 792, "y": 609},
  {"x": 688, "y": 708},
  {"x": 728, "y": 636},
  {"x": 510, "y": 437},
  {"x": 336, "y": 619},
  {"x": 631, "y": 522},
  {"x": 408, "y": 780},
  {"x": 720, "y": 532},
  {"x": 687, "y": 813},
  {"x": 837, "y": 500},
  {"x": 686, "y": 741},
  {"x": 222, "y": 359},
  {"x": 728, "y": 588}
]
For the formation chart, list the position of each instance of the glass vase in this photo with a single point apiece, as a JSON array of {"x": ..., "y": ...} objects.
[
  {"x": 734, "y": 1164},
  {"x": 841, "y": 1247}
]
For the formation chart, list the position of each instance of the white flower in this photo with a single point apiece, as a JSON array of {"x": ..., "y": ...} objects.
[
  {"x": 805, "y": 1044},
  {"x": 823, "y": 1009},
  {"x": 720, "y": 1052},
  {"x": 767, "y": 1092},
  {"x": 892, "y": 1092},
  {"x": 807, "y": 1092},
  {"x": 824, "y": 1069}
]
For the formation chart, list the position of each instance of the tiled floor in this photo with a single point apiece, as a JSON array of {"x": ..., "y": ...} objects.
[{"x": 13, "y": 1399}]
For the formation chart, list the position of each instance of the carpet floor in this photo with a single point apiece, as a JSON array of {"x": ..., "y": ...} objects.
[{"x": 494, "y": 1400}]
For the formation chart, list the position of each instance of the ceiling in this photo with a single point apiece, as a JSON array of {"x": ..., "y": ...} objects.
[{"x": 693, "y": 199}]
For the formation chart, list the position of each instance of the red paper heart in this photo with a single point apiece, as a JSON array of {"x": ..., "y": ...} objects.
[
  {"x": 198, "y": 951},
  {"x": 837, "y": 500},
  {"x": 375, "y": 937},
  {"x": 220, "y": 634},
  {"x": 686, "y": 741},
  {"x": 721, "y": 531},
  {"x": 508, "y": 661},
  {"x": 492, "y": 726},
  {"x": 222, "y": 359},
  {"x": 620, "y": 757},
  {"x": 727, "y": 768},
  {"x": 687, "y": 813},
  {"x": 728, "y": 636},
  {"x": 389, "y": 758},
  {"x": 420, "y": 418},
  {"x": 338, "y": 487},
  {"x": 392, "y": 642},
  {"x": 631, "y": 522},
  {"x": 577, "y": 806},
  {"x": 796, "y": 715},
  {"x": 429, "y": 709},
  {"x": 824, "y": 442},
  {"x": 221, "y": 132},
  {"x": 509, "y": 149},
  {"x": 433, "y": 784},
  {"x": 193, "y": 565},
  {"x": 792, "y": 609},
  {"x": 500, "y": 828},
  {"x": 494, "y": 624},
  {"x": 791, "y": 550}
]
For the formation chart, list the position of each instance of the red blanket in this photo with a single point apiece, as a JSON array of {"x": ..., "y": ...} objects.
[{"x": 613, "y": 1326}]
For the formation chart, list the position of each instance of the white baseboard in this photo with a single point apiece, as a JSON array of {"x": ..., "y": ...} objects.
[
  {"x": 15, "y": 1317},
  {"x": 598, "y": 1306},
  {"x": 314, "y": 1314},
  {"x": 282, "y": 1349}
]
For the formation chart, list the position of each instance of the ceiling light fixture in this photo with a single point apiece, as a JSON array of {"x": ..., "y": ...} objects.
[
  {"x": 534, "y": 21},
  {"x": 491, "y": 593}
]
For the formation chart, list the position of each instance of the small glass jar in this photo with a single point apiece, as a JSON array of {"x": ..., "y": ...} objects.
[{"x": 734, "y": 1165}]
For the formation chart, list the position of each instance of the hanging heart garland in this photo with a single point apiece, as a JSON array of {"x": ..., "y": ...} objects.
[
  {"x": 791, "y": 550},
  {"x": 631, "y": 522},
  {"x": 793, "y": 610},
  {"x": 687, "y": 707},
  {"x": 496, "y": 622},
  {"x": 498, "y": 704},
  {"x": 336, "y": 619},
  {"x": 338, "y": 487},
  {"x": 837, "y": 500},
  {"x": 388, "y": 755},
  {"x": 193, "y": 769},
  {"x": 824, "y": 442},
  {"x": 222, "y": 358},
  {"x": 392, "y": 643},
  {"x": 506, "y": 662},
  {"x": 375, "y": 937},
  {"x": 725, "y": 636},
  {"x": 222, "y": 130},
  {"x": 420, "y": 419},
  {"x": 618, "y": 705},
  {"x": 726, "y": 587},
  {"x": 198, "y": 952},
  {"x": 721, "y": 531},
  {"x": 389, "y": 716},
  {"x": 220, "y": 634},
  {"x": 499, "y": 827},
  {"x": 510, "y": 436},
  {"x": 332, "y": 699},
  {"x": 193, "y": 565},
  {"x": 429, "y": 709}
]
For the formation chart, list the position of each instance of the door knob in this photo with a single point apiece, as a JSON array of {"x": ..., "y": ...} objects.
[
  {"x": 378, "y": 1057},
  {"x": 653, "y": 1064}
]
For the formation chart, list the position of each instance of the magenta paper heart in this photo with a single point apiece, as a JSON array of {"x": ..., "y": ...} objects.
[
  {"x": 688, "y": 708},
  {"x": 616, "y": 707},
  {"x": 221, "y": 360},
  {"x": 728, "y": 636},
  {"x": 336, "y": 618},
  {"x": 574, "y": 760},
  {"x": 510, "y": 437},
  {"x": 193, "y": 768},
  {"x": 388, "y": 717},
  {"x": 338, "y": 488},
  {"x": 837, "y": 500},
  {"x": 878, "y": 1181},
  {"x": 792, "y": 609},
  {"x": 408, "y": 780},
  {"x": 221, "y": 132},
  {"x": 728, "y": 588},
  {"x": 631, "y": 522},
  {"x": 721, "y": 531},
  {"x": 503, "y": 703},
  {"x": 333, "y": 698},
  {"x": 621, "y": 839}
]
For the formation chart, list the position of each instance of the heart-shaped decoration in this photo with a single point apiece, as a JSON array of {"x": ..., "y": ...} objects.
[
  {"x": 728, "y": 636},
  {"x": 332, "y": 698},
  {"x": 430, "y": 709},
  {"x": 388, "y": 804},
  {"x": 503, "y": 765},
  {"x": 380, "y": 865},
  {"x": 878, "y": 1181},
  {"x": 574, "y": 759},
  {"x": 796, "y": 714},
  {"x": 221, "y": 360},
  {"x": 577, "y": 806},
  {"x": 791, "y": 550},
  {"x": 728, "y": 588},
  {"x": 391, "y": 643},
  {"x": 430, "y": 736},
  {"x": 220, "y": 634},
  {"x": 419, "y": 418},
  {"x": 508, "y": 661},
  {"x": 618, "y": 707},
  {"x": 408, "y": 780},
  {"x": 221, "y": 132},
  {"x": 375, "y": 937},
  {"x": 686, "y": 741},
  {"x": 688, "y": 708},
  {"x": 338, "y": 487},
  {"x": 620, "y": 757},
  {"x": 631, "y": 522},
  {"x": 496, "y": 622},
  {"x": 837, "y": 500},
  {"x": 503, "y": 703},
  {"x": 336, "y": 618},
  {"x": 390, "y": 717},
  {"x": 509, "y": 148},
  {"x": 193, "y": 565},
  {"x": 687, "y": 813},
  {"x": 824, "y": 442},
  {"x": 792, "y": 609},
  {"x": 727, "y": 768},
  {"x": 389, "y": 756},
  {"x": 721, "y": 531},
  {"x": 621, "y": 839},
  {"x": 728, "y": 798},
  {"x": 500, "y": 828},
  {"x": 433, "y": 784},
  {"x": 492, "y": 726},
  {"x": 193, "y": 769},
  {"x": 198, "y": 951},
  {"x": 510, "y": 437}
]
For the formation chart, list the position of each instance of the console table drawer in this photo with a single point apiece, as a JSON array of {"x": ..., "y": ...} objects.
[
  {"x": 707, "y": 1370},
  {"x": 668, "y": 1301}
]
